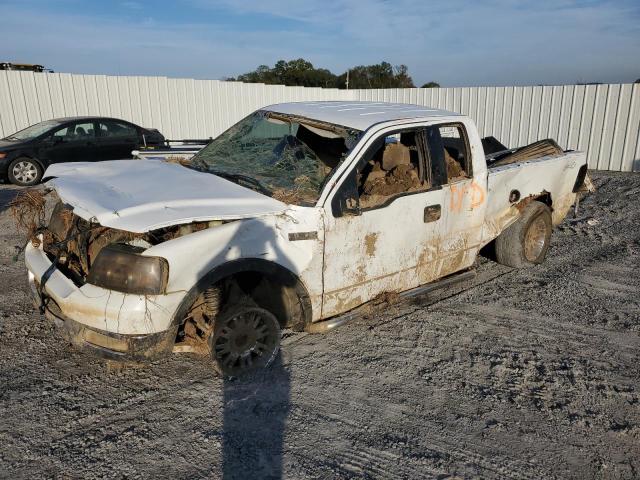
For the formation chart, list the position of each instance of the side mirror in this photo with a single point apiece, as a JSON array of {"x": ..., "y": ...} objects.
[
  {"x": 346, "y": 201},
  {"x": 351, "y": 207}
]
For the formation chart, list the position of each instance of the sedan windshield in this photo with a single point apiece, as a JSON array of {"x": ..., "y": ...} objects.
[
  {"x": 283, "y": 156},
  {"x": 34, "y": 130}
]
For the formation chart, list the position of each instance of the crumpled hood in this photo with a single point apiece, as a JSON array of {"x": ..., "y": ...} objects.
[{"x": 143, "y": 195}]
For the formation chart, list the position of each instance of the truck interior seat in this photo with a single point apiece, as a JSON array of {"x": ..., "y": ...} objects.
[{"x": 395, "y": 154}]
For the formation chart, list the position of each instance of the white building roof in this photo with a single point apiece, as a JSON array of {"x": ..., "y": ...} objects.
[{"x": 358, "y": 115}]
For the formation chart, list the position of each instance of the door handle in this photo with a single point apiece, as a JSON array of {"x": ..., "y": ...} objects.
[{"x": 432, "y": 213}]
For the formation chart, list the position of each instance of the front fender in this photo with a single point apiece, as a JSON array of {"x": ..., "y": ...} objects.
[{"x": 193, "y": 256}]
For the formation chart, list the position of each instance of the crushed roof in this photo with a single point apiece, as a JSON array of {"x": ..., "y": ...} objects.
[{"x": 358, "y": 115}]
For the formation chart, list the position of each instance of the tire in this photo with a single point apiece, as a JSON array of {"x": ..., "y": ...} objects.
[
  {"x": 245, "y": 339},
  {"x": 526, "y": 242},
  {"x": 25, "y": 172}
]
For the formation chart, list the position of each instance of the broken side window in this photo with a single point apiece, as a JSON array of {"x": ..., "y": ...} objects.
[
  {"x": 394, "y": 166},
  {"x": 456, "y": 152}
]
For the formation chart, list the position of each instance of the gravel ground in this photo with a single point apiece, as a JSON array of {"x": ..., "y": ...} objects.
[{"x": 523, "y": 374}]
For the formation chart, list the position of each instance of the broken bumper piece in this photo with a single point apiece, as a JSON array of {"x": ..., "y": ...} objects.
[
  {"x": 112, "y": 324},
  {"x": 109, "y": 345}
]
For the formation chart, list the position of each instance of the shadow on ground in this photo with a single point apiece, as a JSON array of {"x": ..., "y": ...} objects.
[{"x": 254, "y": 421}]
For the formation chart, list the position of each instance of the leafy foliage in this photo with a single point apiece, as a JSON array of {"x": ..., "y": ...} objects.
[
  {"x": 382, "y": 75},
  {"x": 298, "y": 72},
  {"x": 431, "y": 85},
  {"x": 301, "y": 72}
]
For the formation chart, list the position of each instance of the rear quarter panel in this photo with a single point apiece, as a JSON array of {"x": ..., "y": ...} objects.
[{"x": 553, "y": 175}]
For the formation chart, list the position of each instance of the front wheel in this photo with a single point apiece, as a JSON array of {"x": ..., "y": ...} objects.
[
  {"x": 246, "y": 338},
  {"x": 526, "y": 242},
  {"x": 25, "y": 172}
]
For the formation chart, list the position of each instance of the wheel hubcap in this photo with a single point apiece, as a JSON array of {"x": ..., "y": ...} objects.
[
  {"x": 246, "y": 341},
  {"x": 25, "y": 172},
  {"x": 535, "y": 239}
]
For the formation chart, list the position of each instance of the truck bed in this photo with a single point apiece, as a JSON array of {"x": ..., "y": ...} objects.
[
  {"x": 539, "y": 149},
  {"x": 551, "y": 178}
]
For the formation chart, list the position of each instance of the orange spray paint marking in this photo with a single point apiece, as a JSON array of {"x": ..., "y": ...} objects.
[
  {"x": 458, "y": 194},
  {"x": 477, "y": 196}
]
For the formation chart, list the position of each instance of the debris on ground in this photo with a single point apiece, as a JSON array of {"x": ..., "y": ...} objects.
[{"x": 528, "y": 373}]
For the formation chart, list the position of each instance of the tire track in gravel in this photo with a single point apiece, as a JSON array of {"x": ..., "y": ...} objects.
[
  {"x": 437, "y": 445},
  {"x": 516, "y": 374}
]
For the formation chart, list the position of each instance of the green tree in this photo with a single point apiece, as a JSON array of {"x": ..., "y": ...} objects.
[
  {"x": 431, "y": 85},
  {"x": 381, "y": 75},
  {"x": 301, "y": 72},
  {"x": 298, "y": 72}
]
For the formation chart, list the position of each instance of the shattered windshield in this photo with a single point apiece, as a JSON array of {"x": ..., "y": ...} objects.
[{"x": 286, "y": 157}]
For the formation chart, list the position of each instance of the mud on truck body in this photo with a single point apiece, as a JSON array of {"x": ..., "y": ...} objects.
[{"x": 292, "y": 218}]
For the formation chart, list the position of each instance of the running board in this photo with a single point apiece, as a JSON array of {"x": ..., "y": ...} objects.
[{"x": 326, "y": 325}]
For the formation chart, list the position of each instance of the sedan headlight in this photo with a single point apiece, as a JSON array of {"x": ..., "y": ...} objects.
[{"x": 121, "y": 268}]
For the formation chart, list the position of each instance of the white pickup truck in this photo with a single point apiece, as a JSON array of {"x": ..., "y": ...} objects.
[{"x": 293, "y": 217}]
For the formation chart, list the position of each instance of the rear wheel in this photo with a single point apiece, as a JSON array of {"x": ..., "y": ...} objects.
[
  {"x": 246, "y": 338},
  {"x": 24, "y": 171},
  {"x": 526, "y": 242}
]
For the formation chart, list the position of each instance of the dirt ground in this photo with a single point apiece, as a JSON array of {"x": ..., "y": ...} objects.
[{"x": 524, "y": 374}]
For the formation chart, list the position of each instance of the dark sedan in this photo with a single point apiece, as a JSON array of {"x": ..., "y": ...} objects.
[{"x": 25, "y": 155}]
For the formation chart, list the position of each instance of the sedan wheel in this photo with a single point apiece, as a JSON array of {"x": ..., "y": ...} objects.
[{"x": 24, "y": 171}]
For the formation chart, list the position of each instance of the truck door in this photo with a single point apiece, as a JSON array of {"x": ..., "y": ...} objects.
[
  {"x": 464, "y": 190},
  {"x": 383, "y": 223}
]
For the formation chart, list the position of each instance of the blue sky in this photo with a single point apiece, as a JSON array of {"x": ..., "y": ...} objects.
[{"x": 453, "y": 42}]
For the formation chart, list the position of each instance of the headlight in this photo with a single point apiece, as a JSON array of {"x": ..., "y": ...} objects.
[
  {"x": 120, "y": 267},
  {"x": 2, "y": 155}
]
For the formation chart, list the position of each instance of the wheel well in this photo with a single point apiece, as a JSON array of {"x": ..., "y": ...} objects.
[
  {"x": 489, "y": 250},
  {"x": 34, "y": 159},
  {"x": 544, "y": 197},
  {"x": 271, "y": 291},
  {"x": 261, "y": 282}
]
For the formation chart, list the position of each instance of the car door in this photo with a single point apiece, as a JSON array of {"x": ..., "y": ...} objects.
[
  {"x": 72, "y": 143},
  {"x": 117, "y": 139},
  {"x": 464, "y": 192},
  {"x": 382, "y": 234}
]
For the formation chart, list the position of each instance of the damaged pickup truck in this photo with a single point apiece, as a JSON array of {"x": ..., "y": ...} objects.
[{"x": 292, "y": 218}]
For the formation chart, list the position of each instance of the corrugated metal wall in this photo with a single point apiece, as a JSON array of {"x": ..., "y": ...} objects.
[
  {"x": 604, "y": 120},
  {"x": 178, "y": 107}
]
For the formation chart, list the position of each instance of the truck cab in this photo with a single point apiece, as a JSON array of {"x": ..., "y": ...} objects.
[{"x": 406, "y": 211}]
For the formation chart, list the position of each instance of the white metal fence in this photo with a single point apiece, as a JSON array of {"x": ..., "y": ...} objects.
[{"x": 604, "y": 120}]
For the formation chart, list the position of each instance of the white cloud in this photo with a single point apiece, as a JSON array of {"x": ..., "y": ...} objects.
[
  {"x": 454, "y": 42},
  {"x": 466, "y": 42},
  {"x": 132, "y": 5}
]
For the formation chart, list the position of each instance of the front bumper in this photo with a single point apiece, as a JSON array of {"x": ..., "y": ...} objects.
[
  {"x": 109, "y": 345},
  {"x": 112, "y": 324}
]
